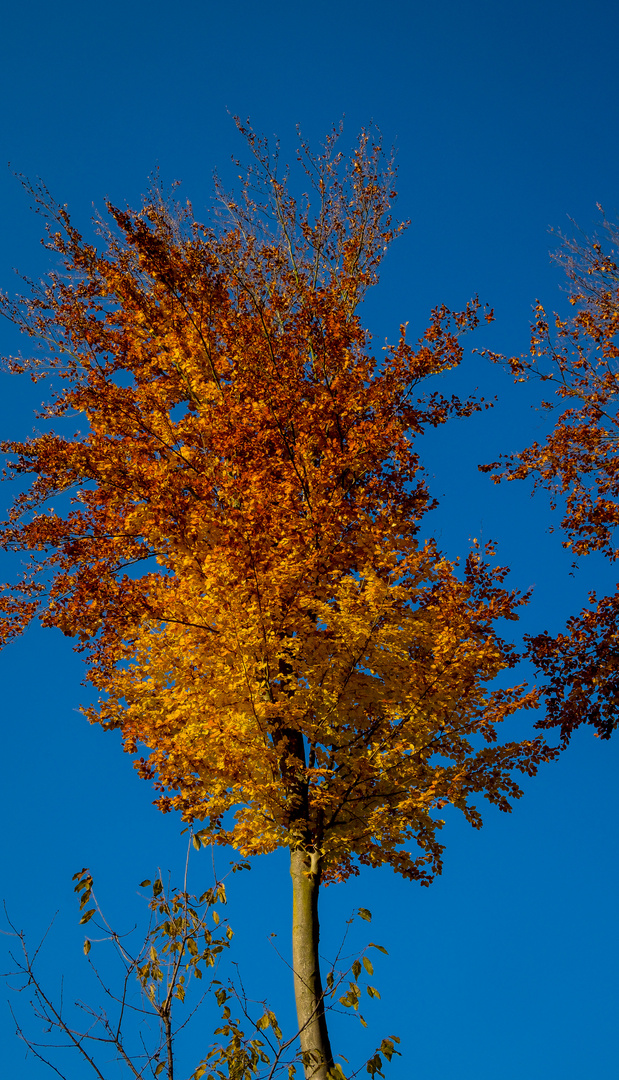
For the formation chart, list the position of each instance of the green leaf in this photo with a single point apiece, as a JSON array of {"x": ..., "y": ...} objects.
[
  {"x": 86, "y": 946},
  {"x": 336, "y": 1073},
  {"x": 275, "y": 1026},
  {"x": 388, "y": 1048},
  {"x": 87, "y": 916},
  {"x": 351, "y": 999},
  {"x": 365, "y": 914},
  {"x": 356, "y": 969},
  {"x": 368, "y": 965},
  {"x": 374, "y": 1065},
  {"x": 380, "y": 948},
  {"x": 373, "y": 992}
]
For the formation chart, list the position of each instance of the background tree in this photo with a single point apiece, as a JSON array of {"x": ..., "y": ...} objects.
[
  {"x": 235, "y": 538},
  {"x": 579, "y": 465}
]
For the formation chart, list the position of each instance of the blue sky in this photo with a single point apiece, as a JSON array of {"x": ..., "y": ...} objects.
[{"x": 505, "y": 120}]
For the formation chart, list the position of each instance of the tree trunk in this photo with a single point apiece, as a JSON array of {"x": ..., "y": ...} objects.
[{"x": 305, "y": 872}]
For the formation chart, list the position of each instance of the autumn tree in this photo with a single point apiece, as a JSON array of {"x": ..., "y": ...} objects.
[
  {"x": 235, "y": 539},
  {"x": 578, "y": 464}
]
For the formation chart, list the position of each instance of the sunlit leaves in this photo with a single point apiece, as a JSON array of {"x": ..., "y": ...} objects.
[{"x": 239, "y": 547}]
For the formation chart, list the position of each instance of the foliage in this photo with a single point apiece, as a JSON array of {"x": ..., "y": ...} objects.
[
  {"x": 579, "y": 465},
  {"x": 235, "y": 536},
  {"x": 137, "y": 1024}
]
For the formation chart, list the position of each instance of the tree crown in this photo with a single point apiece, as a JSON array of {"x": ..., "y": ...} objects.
[{"x": 239, "y": 550}]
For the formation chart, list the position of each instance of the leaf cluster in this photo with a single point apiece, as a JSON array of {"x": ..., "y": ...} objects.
[
  {"x": 578, "y": 464},
  {"x": 240, "y": 550}
]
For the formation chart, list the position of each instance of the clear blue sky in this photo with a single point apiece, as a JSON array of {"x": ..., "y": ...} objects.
[{"x": 506, "y": 121}]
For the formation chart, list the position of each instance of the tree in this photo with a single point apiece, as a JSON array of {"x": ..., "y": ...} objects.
[
  {"x": 237, "y": 539},
  {"x": 579, "y": 465},
  {"x": 136, "y": 1018}
]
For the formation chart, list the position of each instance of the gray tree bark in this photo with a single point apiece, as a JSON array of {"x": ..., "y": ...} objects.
[{"x": 305, "y": 871}]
